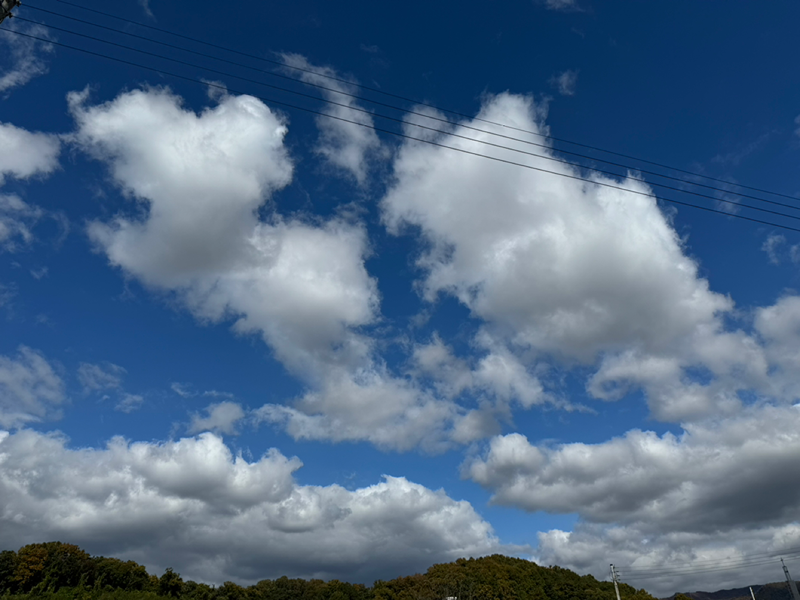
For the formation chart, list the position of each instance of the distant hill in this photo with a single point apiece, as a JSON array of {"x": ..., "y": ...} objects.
[
  {"x": 57, "y": 571},
  {"x": 770, "y": 591}
]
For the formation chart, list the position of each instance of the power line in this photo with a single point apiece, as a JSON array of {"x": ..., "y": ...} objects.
[
  {"x": 422, "y": 140},
  {"x": 678, "y": 571},
  {"x": 404, "y": 110},
  {"x": 715, "y": 561},
  {"x": 427, "y": 105},
  {"x": 437, "y": 130}
]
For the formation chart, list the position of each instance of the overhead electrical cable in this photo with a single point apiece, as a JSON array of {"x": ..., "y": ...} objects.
[
  {"x": 684, "y": 572},
  {"x": 427, "y": 105},
  {"x": 434, "y": 129},
  {"x": 629, "y": 575},
  {"x": 718, "y": 561},
  {"x": 708, "y": 568},
  {"x": 406, "y": 110},
  {"x": 422, "y": 140},
  {"x": 711, "y": 562}
]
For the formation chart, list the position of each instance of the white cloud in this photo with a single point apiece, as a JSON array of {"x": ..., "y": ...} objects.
[
  {"x": 25, "y": 56},
  {"x": 717, "y": 475},
  {"x": 303, "y": 287},
  {"x": 26, "y": 153},
  {"x": 675, "y": 560},
  {"x": 183, "y": 390},
  {"x": 569, "y": 271},
  {"x": 344, "y": 145},
  {"x": 566, "y": 82},
  {"x": 145, "y": 4},
  {"x": 221, "y": 417},
  {"x": 30, "y": 389},
  {"x": 556, "y": 264},
  {"x": 720, "y": 490},
  {"x": 16, "y": 222},
  {"x": 368, "y": 404},
  {"x": 193, "y": 505},
  {"x": 771, "y": 246},
  {"x": 129, "y": 403},
  {"x": 96, "y": 378}
]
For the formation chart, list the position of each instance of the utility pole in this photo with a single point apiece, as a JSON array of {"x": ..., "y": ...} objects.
[
  {"x": 792, "y": 584},
  {"x": 6, "y": 6},
  {"x": 615, "y": 578},
  {"x": 752, "y": 595}
]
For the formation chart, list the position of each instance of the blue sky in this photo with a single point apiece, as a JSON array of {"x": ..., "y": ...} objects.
[{"x": 246, "y": 340}]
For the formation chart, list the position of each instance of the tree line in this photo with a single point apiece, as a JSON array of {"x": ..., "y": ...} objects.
[{"x": 58, "y": 571}]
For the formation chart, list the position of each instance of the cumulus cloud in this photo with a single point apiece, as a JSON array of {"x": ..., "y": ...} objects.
[
  {"x": 346, "y": 146},
  {"x": 716, "y": 475},
  {"x": 221, "y": 417},
  {"x": 30, "y": 389},
  {"x": 558, "y": 264},
  {"x": 566, "y": 82},
  {"x": 202, "y": 178},
  {"x": 302, "y": 286},
  {"x": 193, "y": 505},
  {"x": 368, "y": 404},
  {"x": 717, "y": 490},
  {"x": 26, "y": 153},
  {"x": 569, "y": 271},
  {"x": 25, "y": 56},
  {"x": 672, "y": 562}
]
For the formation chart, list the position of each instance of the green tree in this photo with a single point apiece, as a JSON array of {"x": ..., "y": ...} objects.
[
  {"x": 170, "y": 584},
  {"x": 8, "y": 566}
]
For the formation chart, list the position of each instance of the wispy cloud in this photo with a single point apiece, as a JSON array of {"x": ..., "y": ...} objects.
[
  {"x": 565, "y": 82},
  {"x": 562, "y": 5},
  {"x": 771, "y": 246},
  {"x": 145, "y": 4},
  {"x": 25, "y": 56}
]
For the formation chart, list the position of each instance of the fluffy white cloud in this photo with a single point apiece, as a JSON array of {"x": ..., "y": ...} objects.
[
  {"x": 560, "y": 265},
  {"x": 213, "y": 516},
  {"x": 25, "y": 57},
  {"x": 718, "y": 474},
  {"x": 30, "y": 389},
  {"x": 302, "y": 286},
  {"x": 673, "y": 562},
  {"x": 26, "y": 153},
  {"x": 568, "y": 270},
  {"x": 201, "y": 179},
  {"x": 346, "y": 146},
  {"x": 221, "y": 417},
  {"x": 368, "y": 404},
  {"x": 722, "y": 490}
]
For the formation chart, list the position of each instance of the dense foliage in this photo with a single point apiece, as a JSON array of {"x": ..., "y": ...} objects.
[{"x": 57, "y": 571}]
